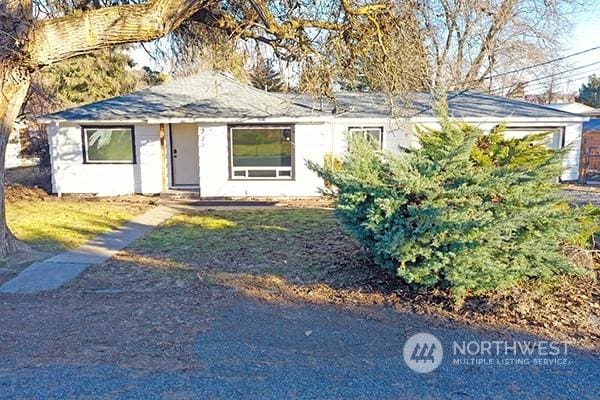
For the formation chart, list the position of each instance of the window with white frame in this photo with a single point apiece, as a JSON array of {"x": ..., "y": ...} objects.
[
  {"x": 373, "y": 134},
  {"x": 109, "y": 145},
  {"x": 261, "y": 152}
]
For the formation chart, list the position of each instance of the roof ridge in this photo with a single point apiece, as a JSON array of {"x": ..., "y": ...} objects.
[{"x": 278, "y": 95}]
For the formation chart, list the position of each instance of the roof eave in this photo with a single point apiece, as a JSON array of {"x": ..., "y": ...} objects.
[
  {"x": 46, "y": 120},
  {"x": 171, "y": 120},
  {"x": 549, "y": 119},
  {"x": 316, "y": 119}
]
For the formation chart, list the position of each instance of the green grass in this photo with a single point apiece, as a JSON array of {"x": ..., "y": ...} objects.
[
  {"x": 55, "y": 225},
  {"x": 294, "y": 244}
]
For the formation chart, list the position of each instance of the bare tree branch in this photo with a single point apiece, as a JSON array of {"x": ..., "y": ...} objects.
[{"x": 55, "y": 39}]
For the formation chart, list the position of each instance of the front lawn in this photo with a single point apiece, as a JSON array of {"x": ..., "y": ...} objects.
[
  {"x": 300, "y": 245},
  {"x": 51, "y": 224},
  {"x": 303, "y": 255}
]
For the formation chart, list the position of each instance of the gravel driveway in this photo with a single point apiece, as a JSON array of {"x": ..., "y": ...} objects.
[
  {"x": 202, "y": 342},
  {"x": 582, "y": 197}
]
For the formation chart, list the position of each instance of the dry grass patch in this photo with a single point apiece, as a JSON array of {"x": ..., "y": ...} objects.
[
  {"x": 52, "y": 224},
  {"x": 292, "y": 255}
]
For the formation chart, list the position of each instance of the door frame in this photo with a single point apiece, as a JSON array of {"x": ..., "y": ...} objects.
[{"x": 173, "y": 184}]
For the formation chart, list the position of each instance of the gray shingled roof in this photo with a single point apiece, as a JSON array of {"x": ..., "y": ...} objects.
[
  {"x": 214, "y": 95},
  {"x": 460, "y": 105},
  {"x": 203, "y": 95}
]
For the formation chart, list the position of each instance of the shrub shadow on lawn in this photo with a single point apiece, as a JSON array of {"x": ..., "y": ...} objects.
[{"x": 304, "y": 255}]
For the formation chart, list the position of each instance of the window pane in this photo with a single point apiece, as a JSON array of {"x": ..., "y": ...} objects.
[
  {"x": 373, "y": 135},
  {"x": 114, "y": 145},
  {"x": 262, "y": 173},
  {"x": 261, "y": 147}
]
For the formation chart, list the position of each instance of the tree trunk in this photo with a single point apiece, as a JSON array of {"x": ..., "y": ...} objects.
[{"x": 13, "y": 89}]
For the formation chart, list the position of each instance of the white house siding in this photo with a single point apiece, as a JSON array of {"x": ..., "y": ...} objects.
[
  {"x": 311, "y": 143},
  {"x": 398, "y": 134},
  {"x": 71, "y": 175},
  {"x": 12, "y": 158}
]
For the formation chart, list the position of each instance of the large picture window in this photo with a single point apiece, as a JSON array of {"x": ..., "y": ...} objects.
[
  {"x": 373, "y": 134},
  {"x": 261, "y": 152},
  {"x": 110, "y": 145}
]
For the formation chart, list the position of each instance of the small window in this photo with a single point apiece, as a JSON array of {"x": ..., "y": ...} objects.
[
  {"x": 110, "y": 145},
  {"x": 373, "y": 134},
  {"x": 261, "y": 152}
]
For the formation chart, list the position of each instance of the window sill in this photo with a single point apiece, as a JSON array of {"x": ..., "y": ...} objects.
[
  {"x": 261, "y": 179},
  {"x": 108, "y": 163}
]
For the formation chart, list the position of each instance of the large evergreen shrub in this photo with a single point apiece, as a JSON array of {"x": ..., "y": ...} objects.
[{"x": 467, "y": 211}]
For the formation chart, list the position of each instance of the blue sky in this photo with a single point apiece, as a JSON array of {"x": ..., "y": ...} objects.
[{"x": 585, "y": 34}]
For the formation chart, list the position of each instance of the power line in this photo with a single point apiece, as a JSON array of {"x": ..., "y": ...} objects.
[
  {"x": 546, "y": 76},
  {"x": 519, "y": 70},
  {"x": 541, "y": 64},
  {"x": 568, "y": 85},
  {"x": 564, "y": 80}
]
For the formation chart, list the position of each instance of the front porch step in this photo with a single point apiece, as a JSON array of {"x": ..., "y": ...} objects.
[{"x": 181, "y": 194}]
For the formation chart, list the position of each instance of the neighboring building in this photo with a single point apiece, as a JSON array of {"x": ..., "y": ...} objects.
[
  {"x": 589, "y": 171},
  {"x": 550, "y": 98},
  {"x": 13, "y": 157},
  {"x": 576, "y": 108},
  {"x": 212, "y": 134}
]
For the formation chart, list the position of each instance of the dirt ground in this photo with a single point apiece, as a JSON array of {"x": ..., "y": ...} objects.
[
  {"x": 170, "y": 338},
  {"x": 95, "y": 323},
  {"x": 37, "y": 177}
]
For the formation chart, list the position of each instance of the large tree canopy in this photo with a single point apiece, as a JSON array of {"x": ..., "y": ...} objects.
[{"x": 84, "y": 79}]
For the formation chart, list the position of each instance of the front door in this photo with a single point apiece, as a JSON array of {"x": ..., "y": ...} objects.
[{"x": 184, "y": 155}]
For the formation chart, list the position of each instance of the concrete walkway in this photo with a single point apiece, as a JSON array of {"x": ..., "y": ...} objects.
[{"x": 62, "y": 268}]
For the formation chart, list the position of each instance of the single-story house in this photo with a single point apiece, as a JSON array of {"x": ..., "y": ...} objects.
[{"x": 212, "y": 134}]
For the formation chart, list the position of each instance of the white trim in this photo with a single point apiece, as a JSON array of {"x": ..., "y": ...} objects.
[
  {"x": 248, "y": 169},
  {"x": 352, "y": 130},
  {"x": 234, "y": 120},
  {"x": 321, "y": 119},
  {"x": 508, "y": 120},
  {"x": 91, "y": 121}
]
